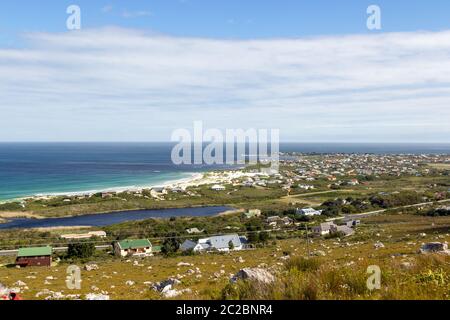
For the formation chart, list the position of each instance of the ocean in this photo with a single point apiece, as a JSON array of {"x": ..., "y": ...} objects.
[{"x": 28, "y": 169}]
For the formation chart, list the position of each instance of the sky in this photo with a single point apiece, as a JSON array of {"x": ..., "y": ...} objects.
[{"x": 138, "y": 70}]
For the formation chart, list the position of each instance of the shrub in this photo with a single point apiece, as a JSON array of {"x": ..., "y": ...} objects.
[
  {"x": 303, "y": 264},
  {"x": 80, "y": 250}
]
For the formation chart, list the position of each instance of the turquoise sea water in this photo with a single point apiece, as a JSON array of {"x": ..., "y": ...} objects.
[{"x": 28, "y": 169}]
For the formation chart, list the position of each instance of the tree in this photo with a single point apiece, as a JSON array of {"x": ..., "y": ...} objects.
[
  {"x": 170, "y": 245},
  {"x": 264, "y": 237},
  {"x": 80, "y": 250},
  {"x": 231, "y": 245}
]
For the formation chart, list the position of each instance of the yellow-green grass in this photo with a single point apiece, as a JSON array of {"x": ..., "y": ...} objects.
[{"x": 341, "y": 274}]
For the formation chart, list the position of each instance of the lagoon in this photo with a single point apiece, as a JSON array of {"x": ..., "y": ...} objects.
[{"x": 105, "y": 219}]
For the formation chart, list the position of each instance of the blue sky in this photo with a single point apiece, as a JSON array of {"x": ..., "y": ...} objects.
[
  {"x": 228, "y": 19},
  {"x": 140, "y": 69}
]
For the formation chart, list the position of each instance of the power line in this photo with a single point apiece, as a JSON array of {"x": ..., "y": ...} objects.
[{"x": 156, "y": 238}]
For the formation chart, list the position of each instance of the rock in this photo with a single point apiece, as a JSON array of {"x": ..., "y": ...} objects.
[
  {"x": 130, "y": 283},
  {"x": 160, "y": 286},
  {"x": 406, "y": 265},
  {"x": 90, "y": 267},
  {"x": 284, "y": 258},
  {"x": 183, "y": 264},
  {"x": 254, "y": 274},
  {"x": 435, "y": 247},
  {"x": 378, "y": 245},
  {"x": 240, "y": 260},
  {"x": 50, "y": 278},
  {"x": 20, "y": 284},
  {"x": 318, "y": 253},
  {"x": 175, "y": 293},
  {"x": 93, "y": 296},
  {"x": 423, "y": 234}
]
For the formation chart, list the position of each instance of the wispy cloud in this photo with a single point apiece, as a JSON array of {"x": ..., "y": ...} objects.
[
  {"x": 120, "y": 84},
  {"x": 136, "y": 14}
]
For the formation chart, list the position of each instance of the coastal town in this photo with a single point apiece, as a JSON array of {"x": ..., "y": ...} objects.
[{"x": 313, "y": 204}]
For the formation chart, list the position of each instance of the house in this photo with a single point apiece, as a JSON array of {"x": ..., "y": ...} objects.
[
  {"x": 218, "y": 187},
  {"x": 309, "y": 212},
  {"x": 222, "y": 243},
  {"x": 347, "y": 231},
  {"x": 252, "y": 213},
  {"x": 38, "y": 256},
  {"x": 194, "y": 231},
  {"x": 323, "y": 228},
  {"x": 159, "y": 190},
  {"x": 352, "y": 223},
  {"x": 140, "y": 247},
  {"x": 276, "y": 220}
]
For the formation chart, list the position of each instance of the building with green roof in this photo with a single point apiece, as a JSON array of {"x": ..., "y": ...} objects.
[
  {"x": 138, "y": 247},
  {"x": 34, "y": 256}
]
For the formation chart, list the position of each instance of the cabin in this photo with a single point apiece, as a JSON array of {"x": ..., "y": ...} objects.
[
  {"x": 218, "y": 187},
  {"x": 34, "y": 257},
  {"x": 139, "y": 247}
]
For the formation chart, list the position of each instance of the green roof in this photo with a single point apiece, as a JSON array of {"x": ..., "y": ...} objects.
[
  {"x": 156, "y": 249},
  {"x": 35, "y": 252},
  {"x": 134, "y": 244}
]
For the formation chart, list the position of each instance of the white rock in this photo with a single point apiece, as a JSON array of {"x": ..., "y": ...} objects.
[{"x": 254, "y": 274}]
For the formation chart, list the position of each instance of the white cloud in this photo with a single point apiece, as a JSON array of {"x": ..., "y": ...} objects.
[{"x": 121, "y": 84}]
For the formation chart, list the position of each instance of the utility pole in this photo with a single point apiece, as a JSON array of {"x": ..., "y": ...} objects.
[{"x": 307, "y": 240}]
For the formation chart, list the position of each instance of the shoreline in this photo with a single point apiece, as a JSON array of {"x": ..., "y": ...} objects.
[{"x": 188, "y": 181}]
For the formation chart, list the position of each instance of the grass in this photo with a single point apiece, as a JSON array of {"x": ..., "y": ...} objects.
[{"x": 341, "y": 274}]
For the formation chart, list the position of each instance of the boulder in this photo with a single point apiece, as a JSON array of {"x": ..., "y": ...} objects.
[
  {"x": 90, "y": 267},
  {"x": 93, "y": 296},
  {"x": 378, "y": 245},
  {"x": 160, "y": 286},
  {"x": 435, "y": 247},
  {"x": 254, "y": 274},
  {"x": 318, "y": 253},
  {"x": 183, "y": 264}
]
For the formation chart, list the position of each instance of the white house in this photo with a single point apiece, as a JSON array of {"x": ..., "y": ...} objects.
[
  {"x": 218, "y": 187},
  {"x": 223, "y": 243},
  {"x": 309, "y": 212}
]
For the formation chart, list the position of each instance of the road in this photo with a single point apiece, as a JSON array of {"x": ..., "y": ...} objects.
[
  {"x": 371, "y": 213},
  {"x": 57, "y": 249}
]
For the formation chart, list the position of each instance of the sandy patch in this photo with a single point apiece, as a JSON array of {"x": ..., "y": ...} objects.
[
  {"x": 71, "y": 228},
  {"x": 18, "y": 214},
  {"x": 228, "y": 212}
]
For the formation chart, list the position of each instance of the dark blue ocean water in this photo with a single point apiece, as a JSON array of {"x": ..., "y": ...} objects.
[{"x": 28, "y": 169}]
